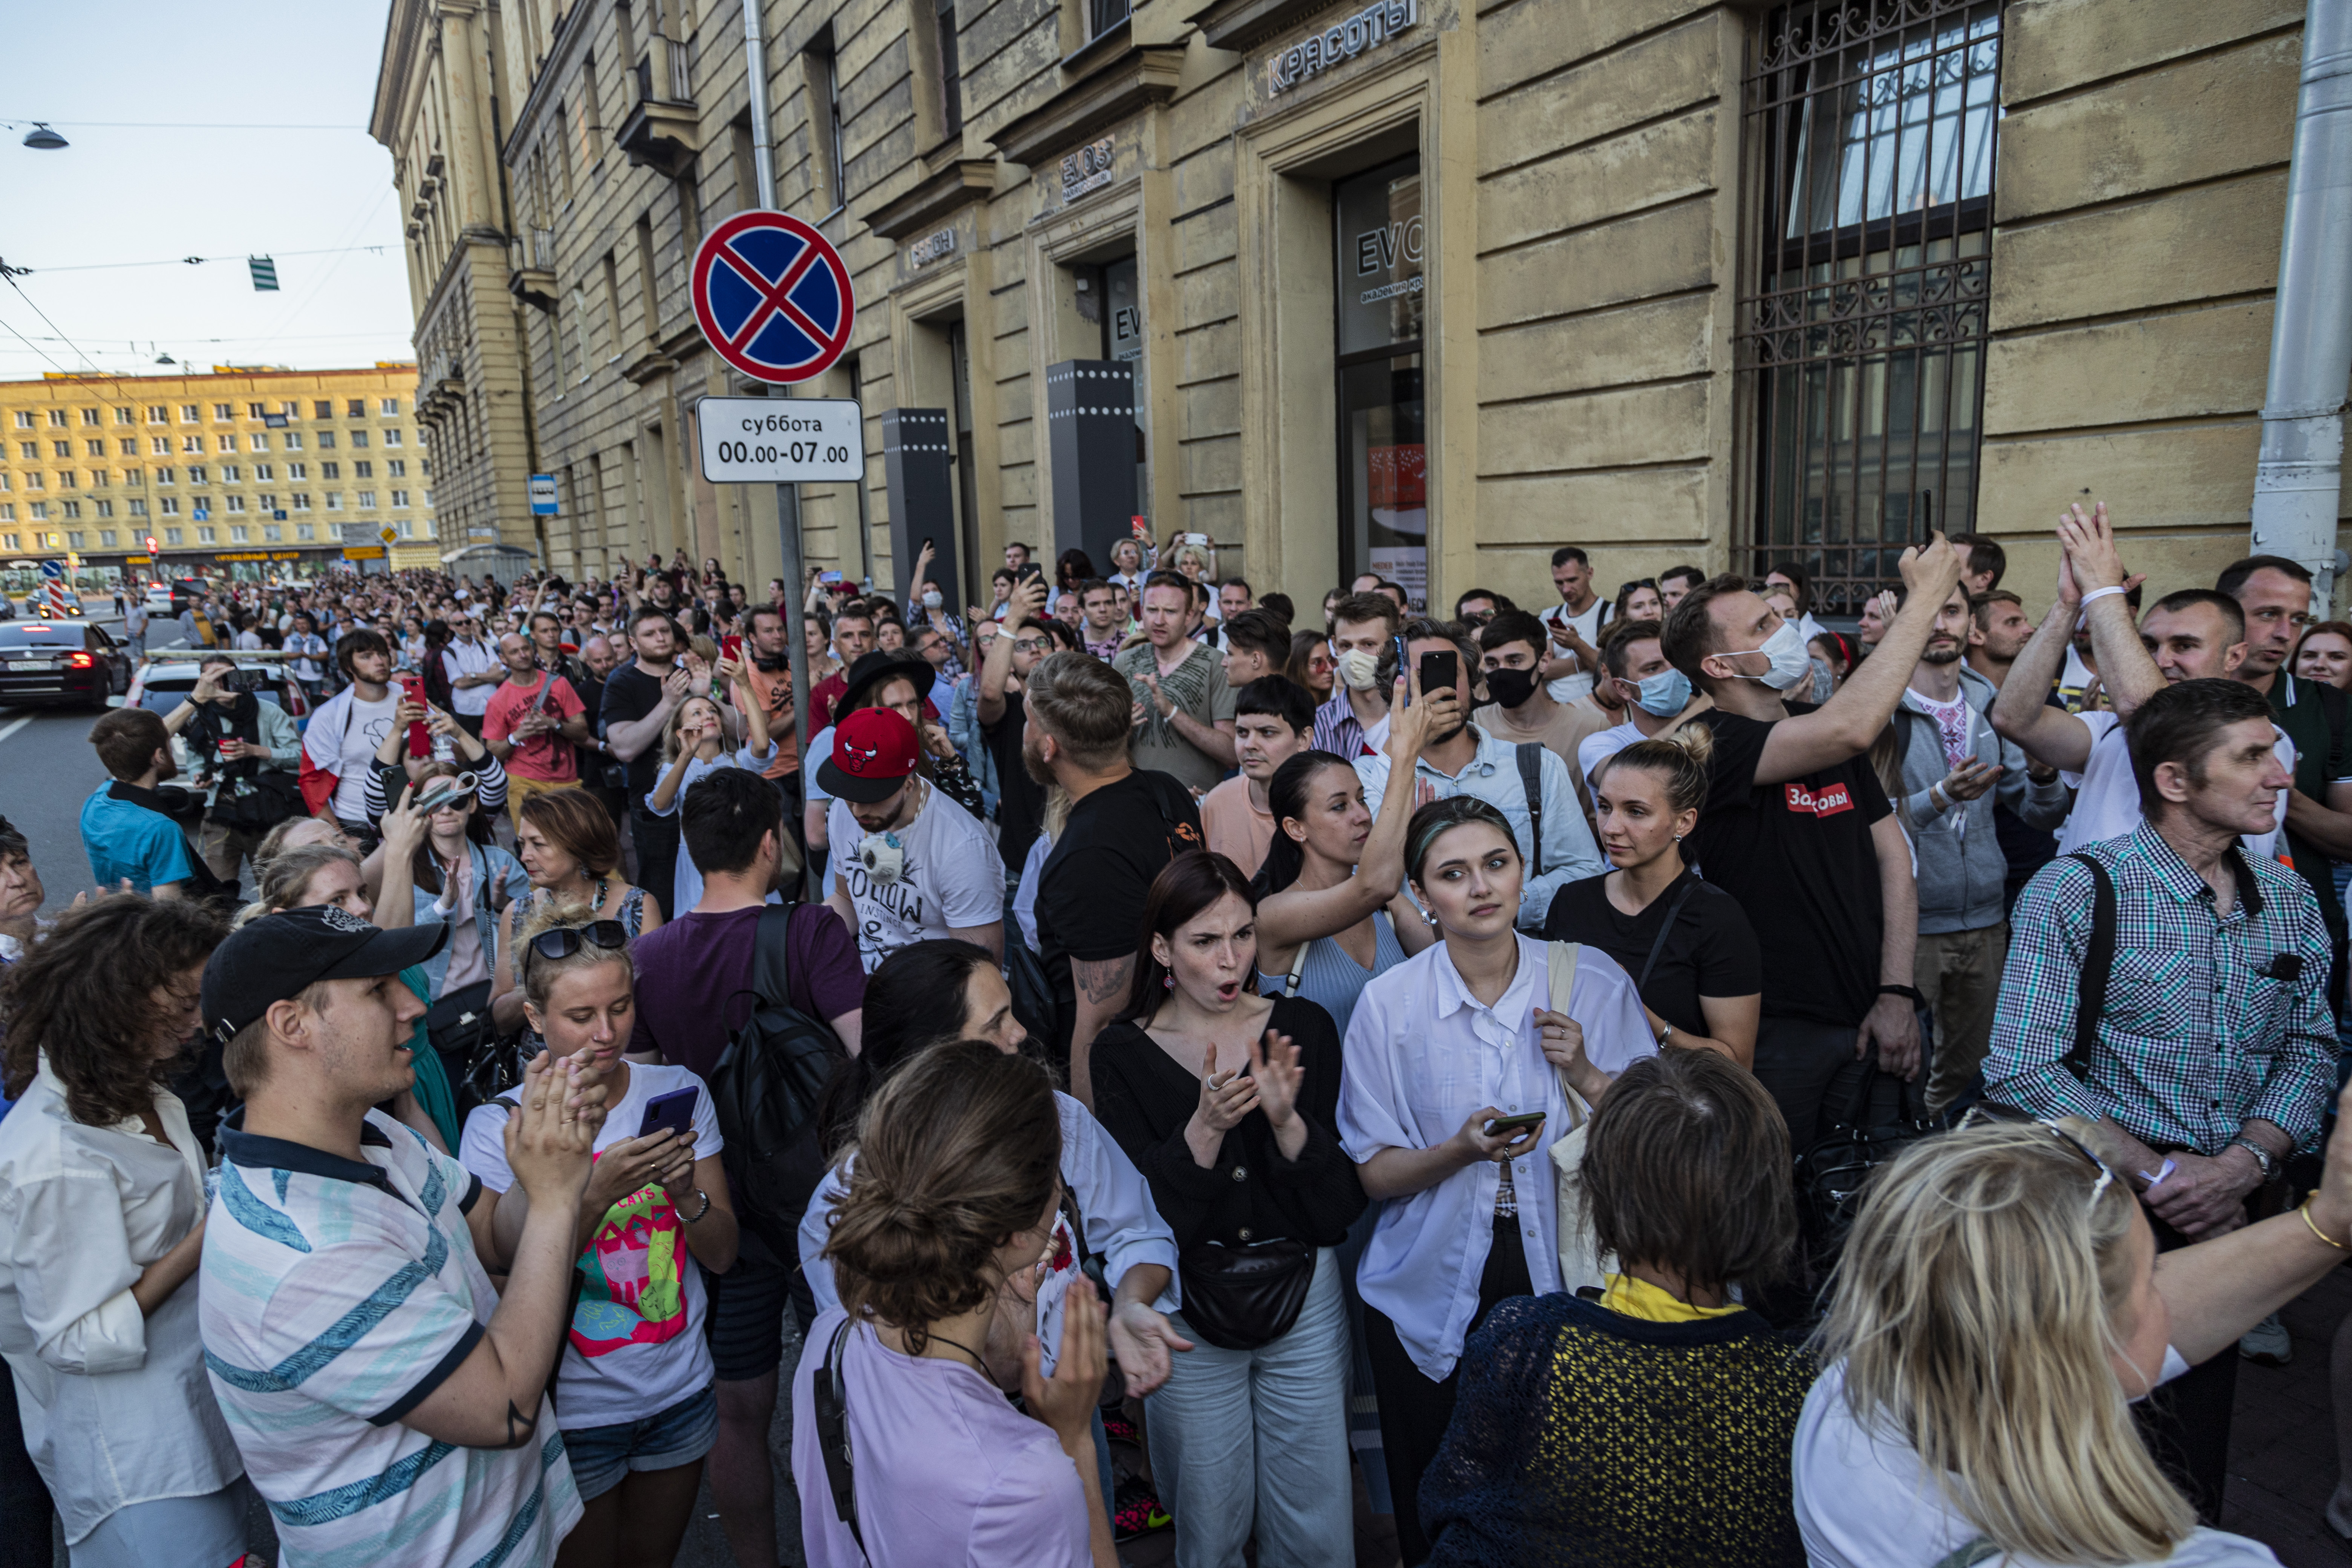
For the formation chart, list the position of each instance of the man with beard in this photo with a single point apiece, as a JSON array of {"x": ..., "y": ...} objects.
[
  {"x": 914, "y": 866},
  {"x": 233, "y": 735},
  {"x": 637, "y": 704},
  {"x": 1955, "y": 768}
]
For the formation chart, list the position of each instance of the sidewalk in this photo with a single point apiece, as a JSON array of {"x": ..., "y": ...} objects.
[{"x": 2282, "y": 1437}]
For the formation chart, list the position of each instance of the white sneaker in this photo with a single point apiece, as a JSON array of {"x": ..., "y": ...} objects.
[{"x": 2266, "y": 1343}]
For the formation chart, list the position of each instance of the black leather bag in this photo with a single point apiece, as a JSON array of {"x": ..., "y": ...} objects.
[
  {"x": 1831, "y": 1175},
  {"x": 1239, "y": 1297},
  {"x": 480, "y": 1067}
]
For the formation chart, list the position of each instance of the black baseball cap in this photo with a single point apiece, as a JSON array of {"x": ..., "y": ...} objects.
[{"x": 279, "y": 956}]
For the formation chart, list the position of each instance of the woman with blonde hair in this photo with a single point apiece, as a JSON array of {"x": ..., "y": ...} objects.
[
  {"x": 903, "y": 1446},
  {"x": 636, "y": 1393},
  {"x": 1999, "y": 1307}
]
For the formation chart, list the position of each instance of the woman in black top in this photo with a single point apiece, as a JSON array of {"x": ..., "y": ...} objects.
[
  {"x": 1228, "y": 1102},
  {"x": 1686, "y": 943}
]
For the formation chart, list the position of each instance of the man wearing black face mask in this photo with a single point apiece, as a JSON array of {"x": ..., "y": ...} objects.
[{"x": 1511, "y": 654}]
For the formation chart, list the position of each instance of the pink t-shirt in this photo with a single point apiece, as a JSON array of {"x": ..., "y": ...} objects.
[
  {"x": 947, "y": 1472},
  {"x": 1235, "y": 826},
  {"x": 546, "y": 758}
]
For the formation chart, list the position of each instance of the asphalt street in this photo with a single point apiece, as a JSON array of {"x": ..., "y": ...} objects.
[{"x": 46, "y": 772}]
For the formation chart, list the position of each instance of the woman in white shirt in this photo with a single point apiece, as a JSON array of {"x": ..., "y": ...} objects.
[
  {"x": 1997, "y": 1307},
  {"x": 635, "y": 1394},
  {"x": 102, "y": 1228},
  {"x": 1441, "y": 1047}
]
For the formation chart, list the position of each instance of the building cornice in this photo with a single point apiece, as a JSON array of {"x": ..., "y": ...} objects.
[
  {"x": 1133, "y": 80},
  {"x": 547, "y": 86},
  {"x": 951, "y": 190}
]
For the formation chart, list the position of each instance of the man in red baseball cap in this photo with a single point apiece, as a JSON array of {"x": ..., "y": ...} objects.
[{"x": 908, "y": 863}]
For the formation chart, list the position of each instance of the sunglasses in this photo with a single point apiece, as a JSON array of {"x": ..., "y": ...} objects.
[
  {"x": 565, "y": 941},
  {"x": 2107, "y": 1172}
]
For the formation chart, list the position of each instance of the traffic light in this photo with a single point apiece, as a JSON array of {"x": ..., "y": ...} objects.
[{"x": 150, "y": 545}]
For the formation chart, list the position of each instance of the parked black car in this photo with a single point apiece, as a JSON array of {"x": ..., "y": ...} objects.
[{"x": 60, "y": 662}]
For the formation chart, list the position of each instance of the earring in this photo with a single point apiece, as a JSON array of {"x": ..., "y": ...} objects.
[
  {"x": 1168, "y": 983},
  {"x": 1678, "y": 839},
  {"x": 1429, "y": 915}
]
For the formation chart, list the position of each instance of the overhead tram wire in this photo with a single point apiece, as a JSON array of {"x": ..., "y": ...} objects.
[{"x": 194, "y": 260}]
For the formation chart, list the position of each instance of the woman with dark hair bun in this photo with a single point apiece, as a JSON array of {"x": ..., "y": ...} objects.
[
  {"x": 904, "y": 1447},
  {"x": 1228, "y": 1102},
  {"x": 931, "y": 994}
]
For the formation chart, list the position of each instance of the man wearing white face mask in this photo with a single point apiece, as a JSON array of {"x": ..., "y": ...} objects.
[
  {"x": 1798, "y": 829},
  {"x": 1355, "y": 722}
]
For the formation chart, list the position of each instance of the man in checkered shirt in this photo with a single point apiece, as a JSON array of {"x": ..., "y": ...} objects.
[{"x": 2215, "y": 1052}]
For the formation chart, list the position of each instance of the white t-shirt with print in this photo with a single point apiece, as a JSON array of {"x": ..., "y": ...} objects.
[
  {"x": 2106, "y": 799},
  {"x": 636, "y": 1346},
  {"x": 952, "y": 876},
  {"x": 1863, "y": 1500},
  {"x": 363, "y": 733}
]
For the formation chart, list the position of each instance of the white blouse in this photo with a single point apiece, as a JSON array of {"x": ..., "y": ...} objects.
[
  {"x": 116, "y": 1405},
  {"x": 1422, "y": 1054}
]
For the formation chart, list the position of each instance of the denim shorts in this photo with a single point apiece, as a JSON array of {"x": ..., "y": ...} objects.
[{"x": 680, "y": 1435}]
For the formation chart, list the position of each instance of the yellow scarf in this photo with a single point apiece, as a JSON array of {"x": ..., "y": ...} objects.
[{"x": 1640, "y": 1298}]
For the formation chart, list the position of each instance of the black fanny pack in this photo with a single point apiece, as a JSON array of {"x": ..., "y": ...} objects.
[{"x": 1239, "y": 1297}]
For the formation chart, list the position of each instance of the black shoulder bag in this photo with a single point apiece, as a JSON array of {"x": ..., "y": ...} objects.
[
  {"x": 833, "y": 1435},
  {"x": 1531, "y": 780}
]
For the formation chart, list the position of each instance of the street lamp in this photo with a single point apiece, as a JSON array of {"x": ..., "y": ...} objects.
[{"x": 41, "y": 139}]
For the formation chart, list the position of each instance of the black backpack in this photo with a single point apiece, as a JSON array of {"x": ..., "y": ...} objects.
[{"x": 765, "y": 1091}]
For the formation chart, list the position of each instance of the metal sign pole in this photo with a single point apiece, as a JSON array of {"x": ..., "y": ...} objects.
[{"x": 788, "y": 496}]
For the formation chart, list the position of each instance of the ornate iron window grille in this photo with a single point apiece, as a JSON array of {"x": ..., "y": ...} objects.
[{"x": 1862, "y": 301}]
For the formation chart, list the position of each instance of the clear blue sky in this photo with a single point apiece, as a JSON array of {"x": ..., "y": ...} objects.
[{"x": 146, "y": 194}]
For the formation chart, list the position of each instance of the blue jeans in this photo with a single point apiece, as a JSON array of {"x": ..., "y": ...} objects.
[
  {"x": 681, "y": 1434},
  {"x": 1258, "y": 1439}
]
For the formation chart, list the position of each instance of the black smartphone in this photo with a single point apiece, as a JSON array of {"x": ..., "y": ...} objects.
[
  {"x": 1440, "y": 669},
  {"x": 1526, "y": 1121},
  {"x": 1397, "y": 645},
  {"x": 674, "y": 1111}
]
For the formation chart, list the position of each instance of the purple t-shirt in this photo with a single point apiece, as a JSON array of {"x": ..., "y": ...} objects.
[
  {"x": 947, "y": 1472},
  {"x": 690, "y": 969}
]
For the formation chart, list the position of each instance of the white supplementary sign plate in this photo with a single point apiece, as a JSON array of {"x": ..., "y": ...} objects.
[{"x": 780, "y": 440}]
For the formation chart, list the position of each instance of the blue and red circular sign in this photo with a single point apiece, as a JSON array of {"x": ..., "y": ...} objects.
[{"x": 772, "y": 297}]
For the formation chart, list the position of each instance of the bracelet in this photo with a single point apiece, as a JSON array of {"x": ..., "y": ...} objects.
[
  {"x": 2099, "y": 594},
  {"x": 2303, "y": 1208},
  {"x": 1910, "y": 993},
  {"x": 1938, "y": 798},
  {"x": 705, "y": 1209}
]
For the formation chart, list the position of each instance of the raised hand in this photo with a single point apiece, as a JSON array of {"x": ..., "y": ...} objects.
[
  {"x": 1274, "y": 1068},
  {"x": 1932, "y": 568},
  {"x": 1409, "y": 720},
  {"x": 2090, "y": 546},
  {"x": 1065, "y": 1402},
  {"x": 1226, "y": 1098},
  {"x": 403, "y": 828}
]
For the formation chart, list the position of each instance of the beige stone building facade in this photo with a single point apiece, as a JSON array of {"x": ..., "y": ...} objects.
[
  {"x": 1425, "y": 286},
  {"x": 244, "y": 472}
]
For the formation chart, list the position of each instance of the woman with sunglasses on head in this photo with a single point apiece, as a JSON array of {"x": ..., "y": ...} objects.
[
  {"x": 634, "y": 1393},
  {"x": 1998, "y": 1308},
  {"x": 1639, "y": 600},
  {"x": 1459, "y": 1064},
  {"x": 1686, "y": 942},
  {"x": 1226, "y": 1101},
  {"x": 101, "y": 1229}
]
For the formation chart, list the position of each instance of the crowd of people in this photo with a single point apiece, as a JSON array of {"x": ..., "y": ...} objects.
[{"x": 1655, "y": 1080}]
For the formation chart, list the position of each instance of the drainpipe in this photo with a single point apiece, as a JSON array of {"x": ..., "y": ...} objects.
[{"x": 2299, "y": 477}]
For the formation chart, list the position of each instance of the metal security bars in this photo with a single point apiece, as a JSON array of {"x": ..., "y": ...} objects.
[{"x": 1861, "y": 311}]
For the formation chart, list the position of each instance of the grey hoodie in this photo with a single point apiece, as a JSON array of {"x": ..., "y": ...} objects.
[{"x": 1961, "y": 867}]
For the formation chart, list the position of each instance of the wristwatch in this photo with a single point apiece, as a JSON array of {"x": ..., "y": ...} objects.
[{"x": 2263, "y": 1157}]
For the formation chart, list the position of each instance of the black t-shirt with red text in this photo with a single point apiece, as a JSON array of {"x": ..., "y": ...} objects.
[{"x": 1799, "y": 858}]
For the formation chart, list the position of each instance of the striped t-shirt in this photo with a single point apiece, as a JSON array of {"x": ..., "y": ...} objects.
[{"x": 335, "y": 1297}]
